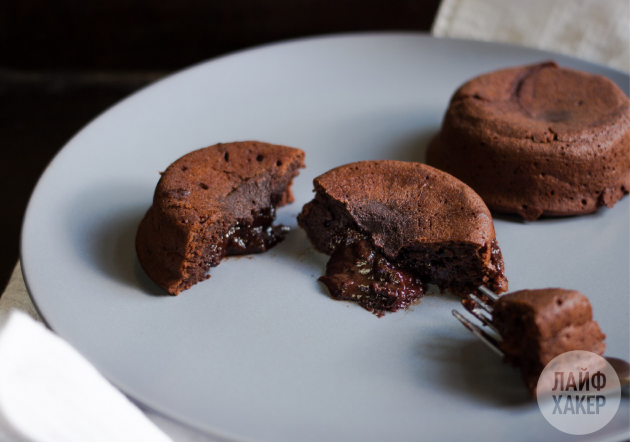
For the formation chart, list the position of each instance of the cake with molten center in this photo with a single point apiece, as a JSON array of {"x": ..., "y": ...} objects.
[
  {"x": 214, "y": 202},
  {"x": 538, "y": 140},
  {"x": 391, "y": 227}
]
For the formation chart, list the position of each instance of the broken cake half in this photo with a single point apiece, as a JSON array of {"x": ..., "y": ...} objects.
[
  {"x": 214, "y": 202},
  {"x": 391, "y": 227}
]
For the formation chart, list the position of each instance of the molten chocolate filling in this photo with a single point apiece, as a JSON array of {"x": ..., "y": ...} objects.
[
  {"x": 358, "y": 272},
  {"x": 257, "y": 237}
]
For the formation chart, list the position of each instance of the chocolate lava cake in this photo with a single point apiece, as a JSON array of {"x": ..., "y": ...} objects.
[
  {"x": 538, "y": 140},
  {"x": 538, "y": 325},
  {"x": 391, "y": 227},
  {"x": 214, "y": 202}
]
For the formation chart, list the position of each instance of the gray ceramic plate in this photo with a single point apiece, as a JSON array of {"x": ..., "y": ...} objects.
[{"x": 259, "y": 351}]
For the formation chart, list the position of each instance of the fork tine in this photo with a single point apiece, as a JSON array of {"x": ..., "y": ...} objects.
[
  {"x": 480, "y": 303},
  {"x": 486, "y": 321},
  {"x": 483, "y": 336},
  {"x": 489, "y": 293}
]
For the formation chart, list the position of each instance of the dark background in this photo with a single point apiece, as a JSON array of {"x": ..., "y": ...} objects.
[{"x": 63, "y": 62}]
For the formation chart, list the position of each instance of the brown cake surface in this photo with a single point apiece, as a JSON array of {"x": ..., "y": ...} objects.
[
  {"x": 538, "y": 325},
  {"x": 214, "y": 202},
  {"x": 407, "y": 217},
  {"x": 538, "y": 140}
]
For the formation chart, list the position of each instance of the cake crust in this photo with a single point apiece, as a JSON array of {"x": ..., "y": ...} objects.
[{"x": 538, "y": 140}]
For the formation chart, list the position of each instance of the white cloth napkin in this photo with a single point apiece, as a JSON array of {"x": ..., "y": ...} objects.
[
  {"x": 16, "y": 297},
  {"x": 596, "y": 30},
  {"x": 44, "y": 380}
]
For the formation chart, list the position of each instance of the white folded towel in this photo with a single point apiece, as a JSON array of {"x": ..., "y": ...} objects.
[
  {"x": 49, "y": 392},
  {"x": 595, "y": 30}
]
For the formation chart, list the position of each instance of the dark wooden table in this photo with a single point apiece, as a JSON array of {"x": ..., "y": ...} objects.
[{"x": 64, "y": 62}]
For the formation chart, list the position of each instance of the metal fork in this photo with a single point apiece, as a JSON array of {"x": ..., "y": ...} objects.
[{"x": 483, "y": 312}]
